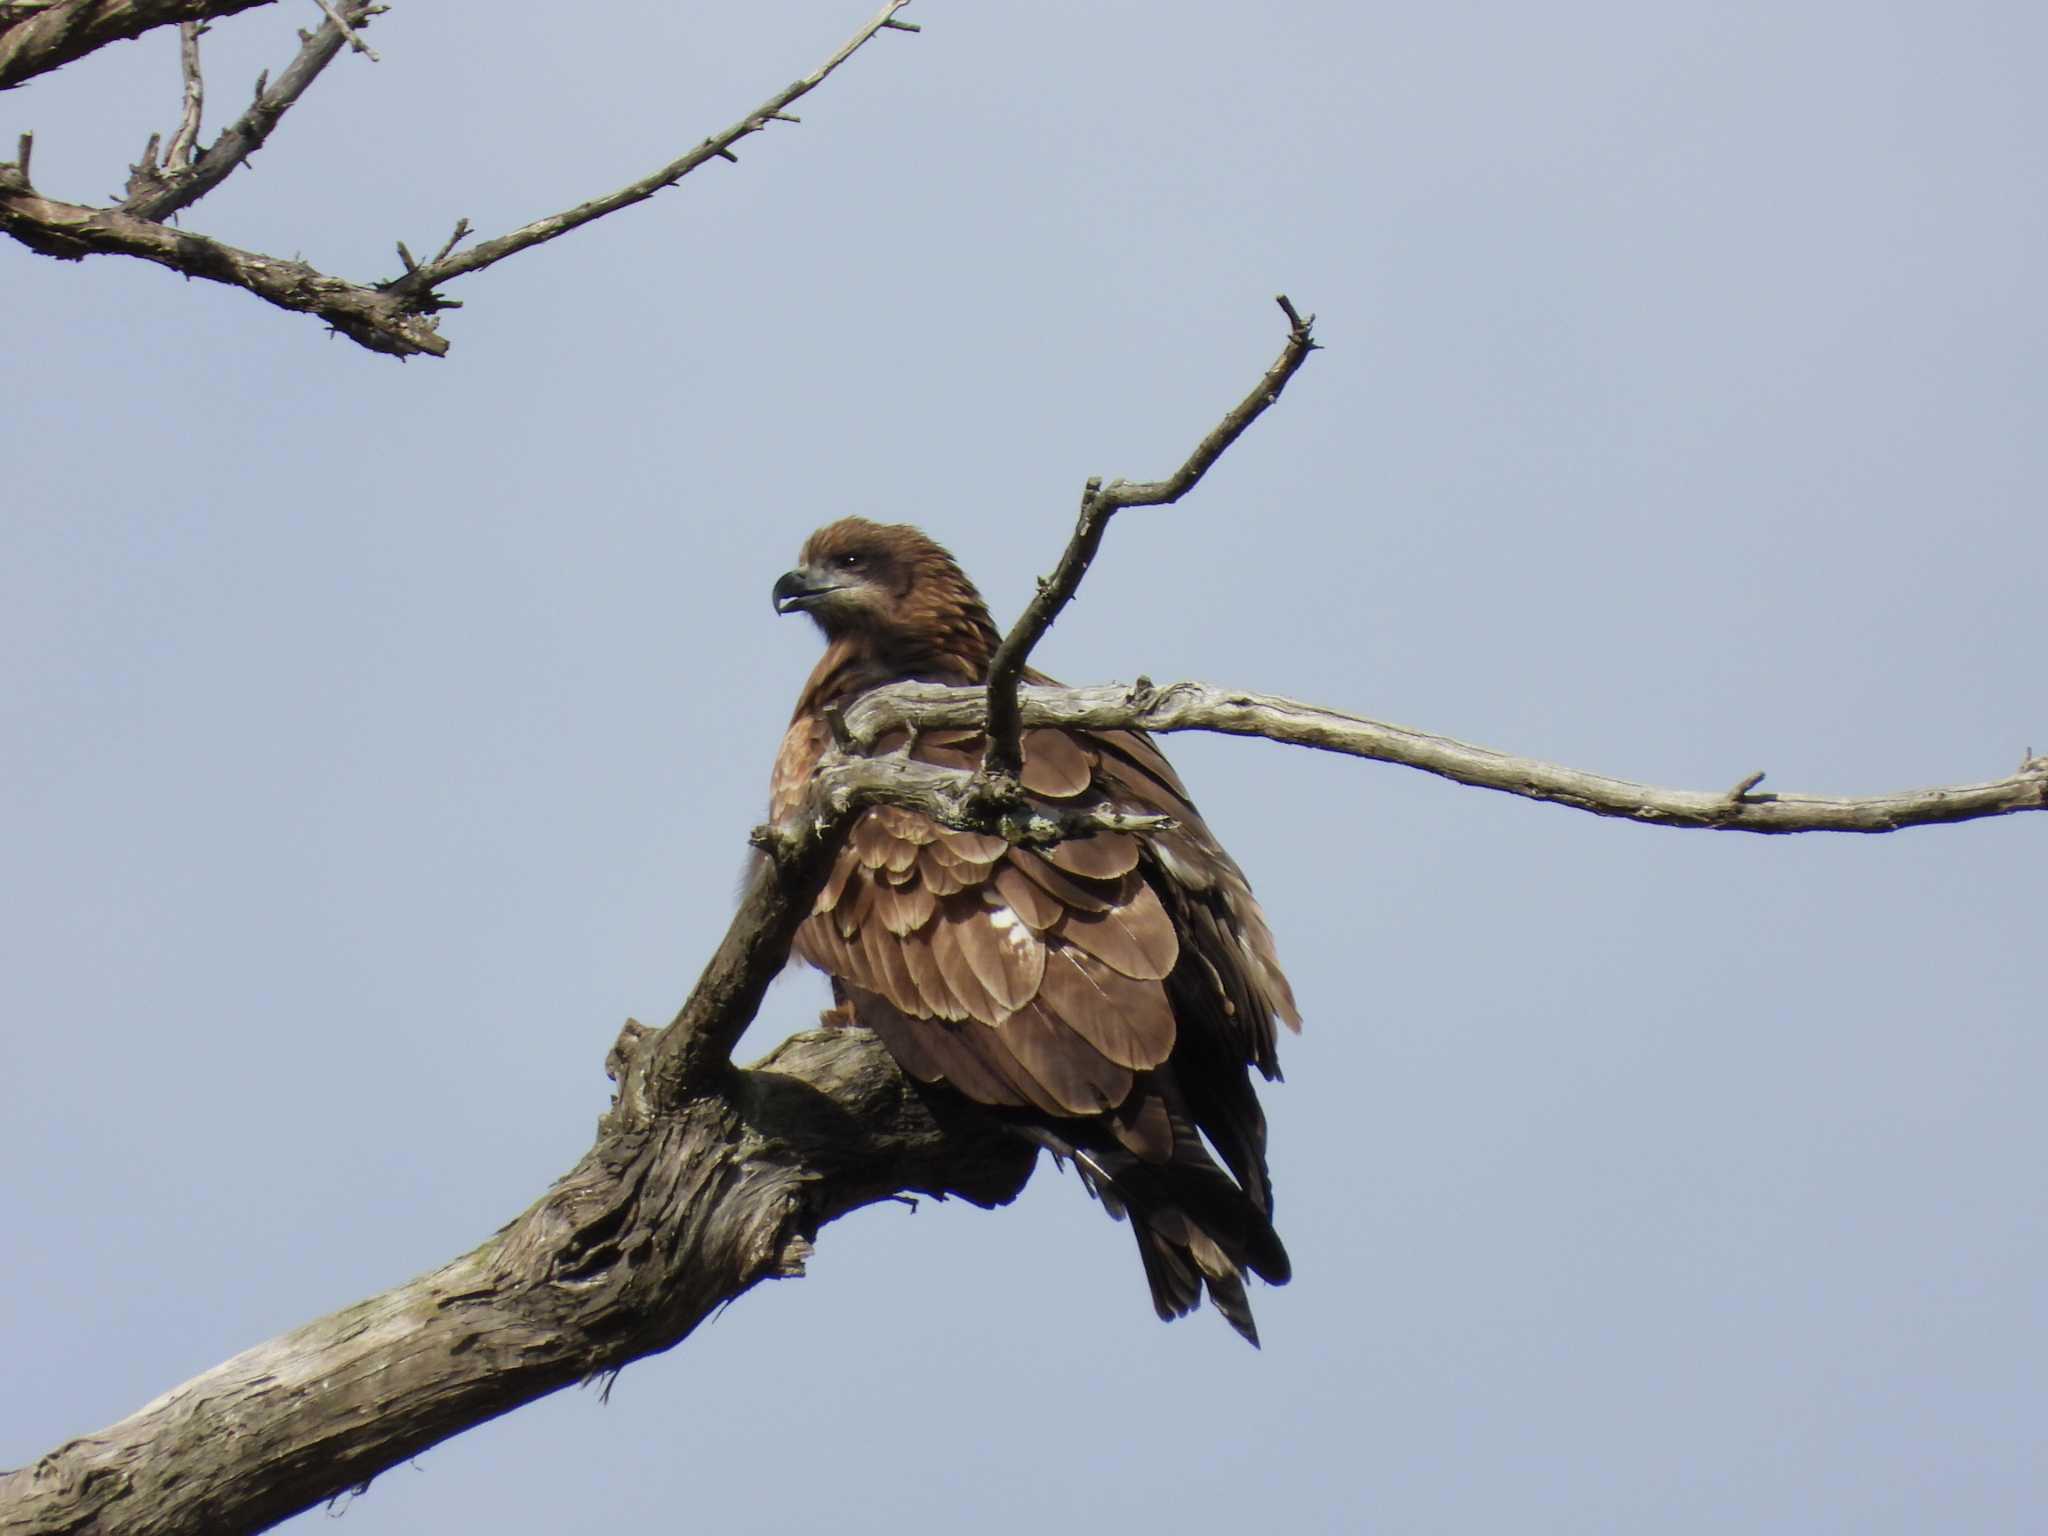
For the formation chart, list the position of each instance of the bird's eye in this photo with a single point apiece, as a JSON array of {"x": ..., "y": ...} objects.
[{"x": 850, "y": 561}]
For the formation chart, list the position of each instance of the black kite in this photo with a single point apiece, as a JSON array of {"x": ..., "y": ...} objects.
[{"x": 1105, "y": 997}]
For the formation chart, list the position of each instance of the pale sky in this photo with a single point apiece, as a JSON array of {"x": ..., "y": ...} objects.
[{"x": 374, "y": 738}]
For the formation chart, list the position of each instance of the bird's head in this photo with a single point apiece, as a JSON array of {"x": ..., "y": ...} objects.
[{"x": 891, "y": 590}]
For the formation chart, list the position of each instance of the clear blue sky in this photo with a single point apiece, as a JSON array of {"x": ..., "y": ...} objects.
[{"x": 374, "y": 738}]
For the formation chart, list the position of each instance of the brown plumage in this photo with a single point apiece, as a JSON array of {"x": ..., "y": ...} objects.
[{"x": 1105, "y": 997}]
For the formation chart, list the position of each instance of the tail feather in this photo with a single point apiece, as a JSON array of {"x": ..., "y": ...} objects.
[{"x": 1197, "y": 1230}]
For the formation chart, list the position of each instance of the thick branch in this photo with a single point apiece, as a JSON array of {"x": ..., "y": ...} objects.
[
  {"x": 1099, "y": 503},
  {"x": 660, "y": 1224},
  {"x": 380, "y": 321},
  {"x": 703, "y": 1181},
  {"x": 48, "y": 37},
  {"x": 718, "y": 146},
  {"x": 1205, "y": 707}
]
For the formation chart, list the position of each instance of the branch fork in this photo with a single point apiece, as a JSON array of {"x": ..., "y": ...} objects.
[
  {"x": 1099, "y": 503},
  {"x": 392, "y": 317}
]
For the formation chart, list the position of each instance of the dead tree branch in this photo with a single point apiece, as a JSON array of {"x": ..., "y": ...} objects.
[
  {"x": 157, "y": 194},
  {"x": 35, "y": 39},
  {"x": 718, "y": 146},
  {"x": 178, "y": 157},
  {"x": 394, "y": 317},
  {"x": 1099, "y": 503},
  {"x": 1235, "y": 712},
  {"x": 704, "y": 1180},
  {"x": 659, "y": 1225},
  {"x": 355, "y": 42},
  {"x": 69, "y": 232}
]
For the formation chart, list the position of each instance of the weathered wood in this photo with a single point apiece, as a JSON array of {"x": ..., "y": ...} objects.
[
  {"x": 661, "y": 1223},
  {"x": 1235, "y": 712},
  {"x": 35, "y": 39},
  {"x": 381, "y": 321},
  {"x": 395, "y": 317}
]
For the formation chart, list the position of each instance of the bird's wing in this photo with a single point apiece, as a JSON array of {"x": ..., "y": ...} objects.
[{"x": 1023, "y": 977}]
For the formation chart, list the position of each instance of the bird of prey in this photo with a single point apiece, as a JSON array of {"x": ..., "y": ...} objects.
[{"x": 1104, "y": 997}]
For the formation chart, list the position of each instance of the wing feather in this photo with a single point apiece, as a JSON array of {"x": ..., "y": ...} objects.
[
  {"x": 1074, "y": 895},
  {"x": 949, "y": 952},
  {"x": 1027, "y": 899},
  {"x": 920, "y": 958},
  {"x": 1128, "y": 1021},
  {"x": 905, "y": 908},
  {"x": 1004, "y": 954},
  {"x": 1055, "y": 764},
  {"x": 1135, "y": 936},
  {"x": 1103, "y": 856},
  {"x": 943, "y": 875},
  {"x": 1079, "y": 1077},
  {"x": 886, "y": 969},
  {"x": 952, "y": 1053},
  {"x": 854, "y": 902}
]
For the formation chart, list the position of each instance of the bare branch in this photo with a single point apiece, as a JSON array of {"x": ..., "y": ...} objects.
[
  {"x": 50, "y": 37},
  {"x": 1099, "y": 503},
  {"x": 1205, "y": 707},
  {"x": 660, "y": 1224},
  {"x": 336, "y": 19},
  {"x": 459, "y": 234},
  {"x": 1742, "y": 791},
  {"x": 393, "y": 317},
  {"x": 719, "y": 146},
  {"x": 178, "y": 157},
  {"x": 377, "y": 320},
  {"x": 160, "y": 196}
]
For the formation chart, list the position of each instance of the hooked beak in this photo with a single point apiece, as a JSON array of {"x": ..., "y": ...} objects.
[{"x": 802, "y": 589}]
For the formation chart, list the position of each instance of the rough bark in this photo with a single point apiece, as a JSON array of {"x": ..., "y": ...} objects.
[
  {"x": 393, "y": 317},
  {"x": 380, "y": 321},
  {"x": 704, "y": 1180},
  {"x": 35, "y": 39},
  {"x": 662, "y": 1222},
  {"x": 1236, "y": 712}
]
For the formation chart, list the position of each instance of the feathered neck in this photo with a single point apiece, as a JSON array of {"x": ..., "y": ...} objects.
[{"x": 854, "y": 664}]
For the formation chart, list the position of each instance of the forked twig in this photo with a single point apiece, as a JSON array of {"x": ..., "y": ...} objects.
[{"x": 1101, "y": 502}]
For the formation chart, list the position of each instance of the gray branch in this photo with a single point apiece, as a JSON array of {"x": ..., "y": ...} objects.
[
  {"x": 338, "y": 20},
  {"x": 35, "y": 39},
  {"x": 155, "y": 194},
  {"x": 703, "y": 1181},
  {"x": 661, "y": 1223},
  {"x": 380, "y": 321},
  {"x": 178, "y": 157},
  {"x": 1099, "y": 503},
  {"x": 717, "y": 147},
  {"x": 1234, "y": 712},
  {"x": 394, "y": 317}
]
